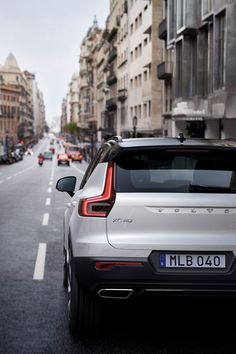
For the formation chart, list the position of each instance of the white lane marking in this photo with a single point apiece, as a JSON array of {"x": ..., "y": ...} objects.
[
  {"x": 45, "y": 219},
  {"x": 9, "y": 177},
  {"x": 80, "y": 171},
  {"x": 48, "y": 201},
  {"x": 40, "y": 262},
  {"x": 50, "y": 183},
  {"x": 49, "y": 190},
  {"x": 53, "y": 169}
]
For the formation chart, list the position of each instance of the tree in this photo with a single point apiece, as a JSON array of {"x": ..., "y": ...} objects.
[{"x": 71, "y": 128}]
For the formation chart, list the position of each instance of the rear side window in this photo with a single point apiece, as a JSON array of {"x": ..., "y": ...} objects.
[{"x": 176, "y": 170}]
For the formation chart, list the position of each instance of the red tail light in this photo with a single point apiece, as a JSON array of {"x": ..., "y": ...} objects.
[{"x": 100, "y": 206}]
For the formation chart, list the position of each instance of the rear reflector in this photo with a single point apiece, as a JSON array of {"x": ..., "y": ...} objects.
[
  {"x": 100, "y": 206},
  {"x": 106, "y": 265}
]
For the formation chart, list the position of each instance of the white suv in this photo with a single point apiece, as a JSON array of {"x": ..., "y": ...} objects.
[{"x": 152, "y": 216}]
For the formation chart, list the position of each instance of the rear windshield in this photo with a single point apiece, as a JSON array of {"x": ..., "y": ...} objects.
[
  {"x": 176, "y": 171},
  {"x": 74, "y": 149}
]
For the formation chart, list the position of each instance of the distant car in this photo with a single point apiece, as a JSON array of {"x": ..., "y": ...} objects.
[
  {"x": 151, "y": 217},
  {"x": 74, "y": 153},
  {"x": 63, "y": 159},
  {"x": 48, "y": 155},
  {"x": 52, "y": 149}
]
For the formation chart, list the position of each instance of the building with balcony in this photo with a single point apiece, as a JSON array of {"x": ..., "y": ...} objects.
[
  {"x": 63, "y": 118},
  {"x": 101, "y": 86},
  {"x": 37, "y": 127},
  {"x": 87, "y": 121},
  {"x": 145, "y": 52},
  {"x": 74, "y": 98},
  {"x": 122, "y": 68},
  {"x": 199, "y": 89},
  {"x": 109, "y": 125},
  {"x": 16, "y": 100},
  {"x": 9, "y": 114}
]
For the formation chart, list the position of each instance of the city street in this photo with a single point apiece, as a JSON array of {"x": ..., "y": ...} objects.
[
  {"x": 144, "y": 93},
  {"x": 33, "y": 307}
]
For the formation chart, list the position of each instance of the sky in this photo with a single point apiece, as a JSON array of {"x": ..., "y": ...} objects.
[{"x": 45, "y": 38}]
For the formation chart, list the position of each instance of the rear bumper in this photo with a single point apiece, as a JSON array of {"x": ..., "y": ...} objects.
[
  {"x": 146, "y": 281},
  {"x": 63, "y": 161},
  {"x": 73, "y": 158}
]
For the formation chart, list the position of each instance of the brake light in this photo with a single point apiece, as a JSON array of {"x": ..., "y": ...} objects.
[{"x": 100, "y": 206}]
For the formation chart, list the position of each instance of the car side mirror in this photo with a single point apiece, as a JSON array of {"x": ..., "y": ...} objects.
[{"x": 66, "y": 184}]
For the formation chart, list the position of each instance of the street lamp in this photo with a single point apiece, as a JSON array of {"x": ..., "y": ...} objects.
[{"x": 135, "y": 122}]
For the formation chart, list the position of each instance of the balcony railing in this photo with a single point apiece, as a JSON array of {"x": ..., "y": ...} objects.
[
  {"x": 122, "y": 95},
  {"x": 112, "y": 34},
  {"x": 111, "y": 105},
  {"x": 162, "y": 34},
  {"x": 111, "y": 79},
  {"x": 112, "y": 55},
  {"x": 164, "y": 70},
  {"x": 125, "y": 6}
]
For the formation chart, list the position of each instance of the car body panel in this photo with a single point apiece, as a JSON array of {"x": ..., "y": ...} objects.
[
  {"x": 63, "y": 159},
  {"x": 48, "y": 155},
  {"x": 143, "y": 225},
  {"x": 95, "y": 184},
  {"x": 74, "y": 152},
  {"x": 164, "y": 220}
]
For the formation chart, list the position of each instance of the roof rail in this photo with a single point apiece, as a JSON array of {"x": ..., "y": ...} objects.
[
  {"x": 181, "y": 137},
  {"x": 116, "y": 138}
]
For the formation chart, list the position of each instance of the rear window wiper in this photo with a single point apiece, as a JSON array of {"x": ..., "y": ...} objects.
[{"x": 210, "y": 189}]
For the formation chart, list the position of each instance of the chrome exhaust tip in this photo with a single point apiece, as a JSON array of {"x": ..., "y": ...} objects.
[{"x": 121, "y": 294}]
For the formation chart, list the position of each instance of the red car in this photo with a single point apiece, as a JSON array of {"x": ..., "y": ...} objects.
[
  {"x": 74, "y": 153},
  {"x": 52, "y": 150},
  {"x": 63, "y": 159}
]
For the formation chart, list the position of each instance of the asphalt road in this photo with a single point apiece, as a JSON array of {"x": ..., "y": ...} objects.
[{"x": 33, "y": 316}]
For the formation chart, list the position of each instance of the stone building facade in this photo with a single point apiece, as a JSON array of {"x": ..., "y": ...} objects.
[
  {"x": 198, "y": 68},
  {"x": 120, "y": 93},
  {"x": 17, "y": 103}
]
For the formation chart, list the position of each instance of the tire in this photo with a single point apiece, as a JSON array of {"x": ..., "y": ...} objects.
[{"x": 83, "y": 312}]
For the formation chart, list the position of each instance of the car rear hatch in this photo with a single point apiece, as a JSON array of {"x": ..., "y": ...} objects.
[{"x": 181, "y": 198}]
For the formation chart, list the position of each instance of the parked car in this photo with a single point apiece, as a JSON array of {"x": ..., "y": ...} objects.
[
  {"x": 19, "y": 151},
  {"x": 7, "y": 158},
  {"x": 48, "y": 155},
  {"x": 151, "y": 217},
  {"x": 63, "y": 159},
  {"x": 19, "y": 154}
]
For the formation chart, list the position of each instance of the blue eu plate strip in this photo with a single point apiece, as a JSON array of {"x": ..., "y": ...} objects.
[{"x": 162, "y": 261}]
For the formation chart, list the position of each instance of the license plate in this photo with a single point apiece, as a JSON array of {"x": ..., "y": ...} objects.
[{"x": 192, "y": 261}]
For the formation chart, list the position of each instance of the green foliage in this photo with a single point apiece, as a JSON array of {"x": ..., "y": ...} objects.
[{"x": 71, "y": 128}]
